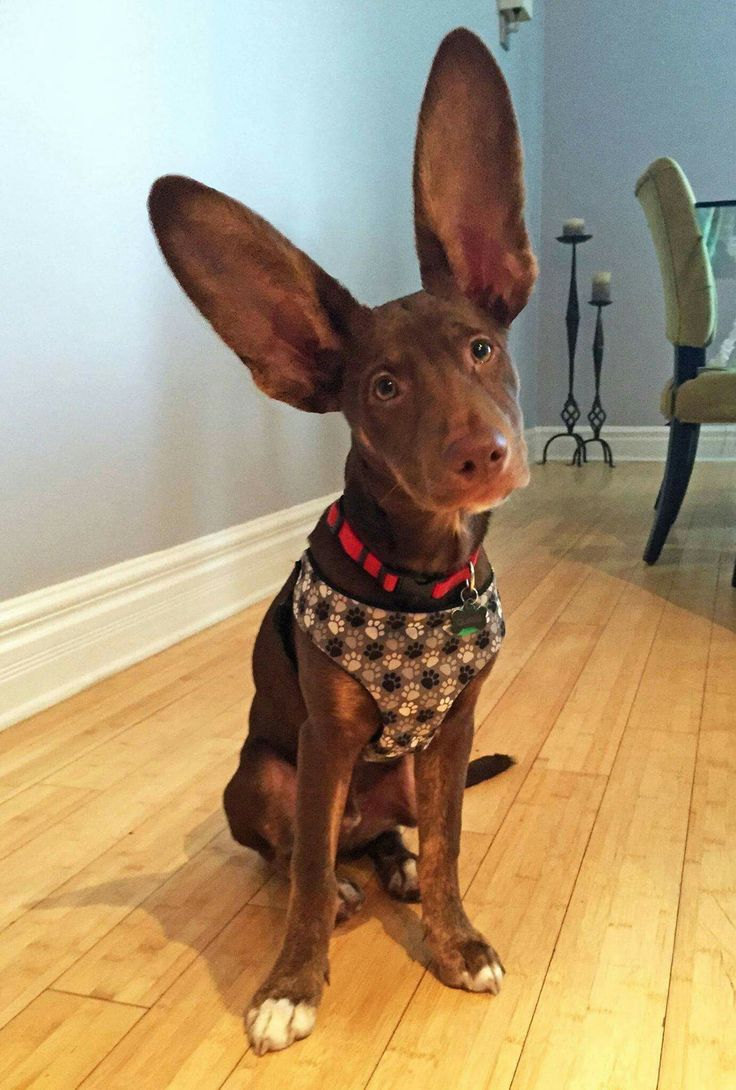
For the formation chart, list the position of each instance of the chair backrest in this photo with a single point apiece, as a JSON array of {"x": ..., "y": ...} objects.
[{"x": 687, "y": 278}]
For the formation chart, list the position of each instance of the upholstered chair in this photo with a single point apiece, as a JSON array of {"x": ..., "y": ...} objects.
[{"x": 696, "y": 394}]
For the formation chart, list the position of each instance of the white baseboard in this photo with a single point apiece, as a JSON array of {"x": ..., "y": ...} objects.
[
  {"x": 645, "y": 444},
  {"x": 57, "y": 641}
]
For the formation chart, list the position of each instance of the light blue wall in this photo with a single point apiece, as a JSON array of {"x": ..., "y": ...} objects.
[
  {"x": 626, "y": 82},
  {"x": 127, "y": 426}
]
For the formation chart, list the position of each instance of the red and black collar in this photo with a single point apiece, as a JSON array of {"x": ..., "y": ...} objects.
[{"x": 389, "y": 580}]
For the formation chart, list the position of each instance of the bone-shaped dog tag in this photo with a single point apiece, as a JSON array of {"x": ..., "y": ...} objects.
[{"x": 468, "y": 619}]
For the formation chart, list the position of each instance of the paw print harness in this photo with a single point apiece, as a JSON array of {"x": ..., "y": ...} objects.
[{"x": 413, "y": 664}]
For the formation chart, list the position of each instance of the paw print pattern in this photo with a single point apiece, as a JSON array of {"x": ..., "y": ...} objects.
[
  {"x": 409, "y": 707},
  {"x": 391, "y": 681},
  {"x": 430, "y": 678},
  {"x": 412, "y": 664},
  {"x": 334, "y": 647},
  {"x": 352, "y": 661}
]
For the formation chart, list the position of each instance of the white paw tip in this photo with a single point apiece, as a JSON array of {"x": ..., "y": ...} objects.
[
  {"x": 487, "y": 979},
  {"x": 303, "y": 1020},
  {"x": 276, "y": 1023},
  {"x": 405, "y": 878},
  {"x": 351, "y": 894}
]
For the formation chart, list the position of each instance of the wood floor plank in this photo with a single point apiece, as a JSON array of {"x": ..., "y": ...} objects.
[
  {"x": 34, "y": 870},
  {"x": 700, "y": 1028},
  {"x": 59, "y": 1039},
  {"x": 523, "y": 717},
  {"x": 518, "y": 898},
  {"x": 137, "y": 960},
  {"x": 34, "y": 810},
  {"x": 114, "y": 759},
  {"x": 588, "y": 731},
  {"x": 45, "y": 941},
  {"x": 527, "y": 626},
  {"x": 35, "y": 750},
  {"x": 607, "y": 984},
  {"x": 194, "y": 1036}
]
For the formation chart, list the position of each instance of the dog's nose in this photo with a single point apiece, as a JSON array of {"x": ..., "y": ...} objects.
[{"x": 473, "y": 456}]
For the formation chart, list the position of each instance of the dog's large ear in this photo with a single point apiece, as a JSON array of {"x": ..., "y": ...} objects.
[
  {"x": 468, "y": 182},
  {"x": 278, "y": 310}
]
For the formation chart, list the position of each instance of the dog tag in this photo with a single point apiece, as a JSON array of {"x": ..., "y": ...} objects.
[{"x": 468, "y": 619}]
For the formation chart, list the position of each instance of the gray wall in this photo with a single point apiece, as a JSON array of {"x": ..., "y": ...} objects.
[
  {"x": 626, "y": 82},
  {"x": 126, "y": 426}
]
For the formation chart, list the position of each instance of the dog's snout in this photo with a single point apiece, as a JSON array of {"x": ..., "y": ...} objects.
[{"x": 474, "y": 456}]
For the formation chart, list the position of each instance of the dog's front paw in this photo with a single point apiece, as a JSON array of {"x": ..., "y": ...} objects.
[
  {"x": 274, "y": 1024},
  {"x": 470, "y": 962}
]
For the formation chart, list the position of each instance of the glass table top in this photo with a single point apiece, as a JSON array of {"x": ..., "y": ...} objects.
[{"x": 717, "y": 220}]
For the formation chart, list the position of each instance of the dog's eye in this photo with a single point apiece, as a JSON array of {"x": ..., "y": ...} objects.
[
  {"x": 385, "y": 387},
  {"x": 481, "y": 349}
]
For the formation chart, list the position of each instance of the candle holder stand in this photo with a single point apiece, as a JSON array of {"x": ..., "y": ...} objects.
[
  {"x": 597, "y": 414},
  {"x": 571, "y": 410}
]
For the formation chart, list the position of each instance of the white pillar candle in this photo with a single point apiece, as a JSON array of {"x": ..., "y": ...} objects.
[
  {"x": 573, "y": 227},
  {"x": 601, "y": 290}
]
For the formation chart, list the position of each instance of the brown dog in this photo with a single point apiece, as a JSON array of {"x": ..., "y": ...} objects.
[{"x": 430, "y": 394}]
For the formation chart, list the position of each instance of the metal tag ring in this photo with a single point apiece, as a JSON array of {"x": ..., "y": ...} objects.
[{"x": 469, "y": 593}]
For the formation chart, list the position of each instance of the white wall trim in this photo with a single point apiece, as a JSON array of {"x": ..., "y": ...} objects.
[
  {"x": 643, "y": 444},
  {"x": 58, "y": 640}
]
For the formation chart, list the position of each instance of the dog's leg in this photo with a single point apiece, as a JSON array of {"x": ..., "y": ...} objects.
[
  {"x": 462, "y": 956},
  {"x": 260, "y": 803},
  {"x": 285, "y": 1006},
  {"x": 342, "y": 718},
  {"x": 396, "y": 865}
]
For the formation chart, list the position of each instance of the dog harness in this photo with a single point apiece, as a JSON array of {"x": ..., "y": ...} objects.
[{"x": 413, "y": 664}]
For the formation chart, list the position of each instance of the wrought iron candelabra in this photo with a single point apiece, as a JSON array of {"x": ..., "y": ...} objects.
[
  {"x": 597, "y": 414},
  {"x": 571, "y": 410}
]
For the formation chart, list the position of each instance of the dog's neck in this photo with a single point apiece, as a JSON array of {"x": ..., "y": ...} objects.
[{"x": 402, "y": 534}]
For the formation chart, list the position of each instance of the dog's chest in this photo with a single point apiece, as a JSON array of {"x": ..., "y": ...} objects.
[{"x": 413, "y": 664}]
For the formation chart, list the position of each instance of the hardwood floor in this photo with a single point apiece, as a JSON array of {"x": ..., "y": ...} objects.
[{"x": 602, "y": 866}]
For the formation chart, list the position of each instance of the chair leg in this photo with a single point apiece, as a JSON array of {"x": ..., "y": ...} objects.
[
  {"x": 681, "y": 451},
  {"x": 733, "y": 577}
]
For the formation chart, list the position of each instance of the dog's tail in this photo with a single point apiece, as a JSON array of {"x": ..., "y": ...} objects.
[{"x": 484, "y": 768}]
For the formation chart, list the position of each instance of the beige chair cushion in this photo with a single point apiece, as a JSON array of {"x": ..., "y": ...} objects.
[
  {"x": 708, "y": 399},
  {"x": 687, "y": 278}
]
